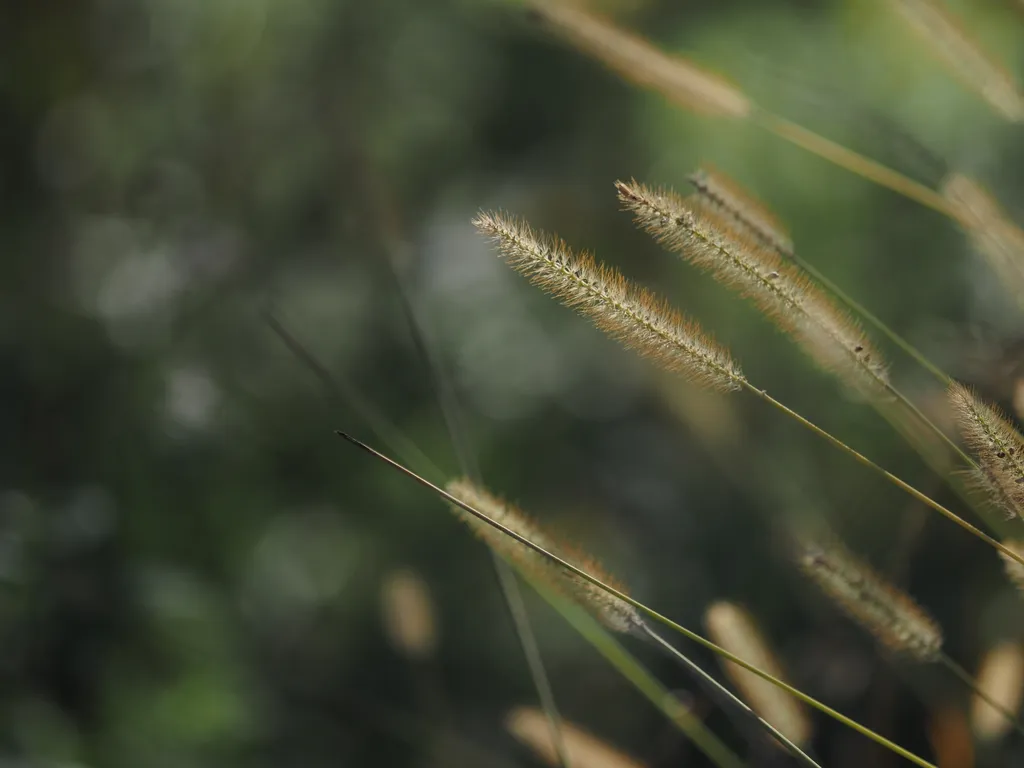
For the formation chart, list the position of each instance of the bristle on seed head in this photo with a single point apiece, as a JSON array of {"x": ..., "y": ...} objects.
[
  {"x": 712, "y": 239},
  {"x": 638, "y": 60},
  {"x": 720, "y": 193},
  {"x": 630, "y": 314},
  {"x": 990, "y": 231},
  {"x": 734, "y": 629},
  {"x": 614, "y": 613},
  {"x": 886, "y": 612},
  {"x": 997, "y": 446}
]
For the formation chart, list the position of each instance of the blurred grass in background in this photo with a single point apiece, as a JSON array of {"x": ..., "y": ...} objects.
[{"x": 191, "y": 564}]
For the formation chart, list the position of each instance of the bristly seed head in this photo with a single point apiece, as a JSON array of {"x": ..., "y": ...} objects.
[
  {"x": 963, "y": 56},
  {"x": 997, "y": 446},
  {"x": 624, "y": 311},
  {"x": 718, "y": 239},
  {"x": 614, "y": 613},
  {"x": 637, "y": 60},
  {"x": 720, "y": 193},
  {"x": 990, "y": 231},
  {"x": 733, "y": 628},
  {"x": 883, "y": 610}
]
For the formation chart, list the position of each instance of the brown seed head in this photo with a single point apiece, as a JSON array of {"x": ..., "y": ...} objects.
[
  {"x": 630, "y": 314},
  {"x": 710, "y": 238},
  {"x": 886, "y": 612},
  {"x": 734, "y": 629},
  {"x": 997, "y": 446},
  {"x": 614, "y": 613},
  {"x": 637, "y": 60}
]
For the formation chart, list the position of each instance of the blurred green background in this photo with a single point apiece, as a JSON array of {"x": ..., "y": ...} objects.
[{"x": 191, "y": 563}]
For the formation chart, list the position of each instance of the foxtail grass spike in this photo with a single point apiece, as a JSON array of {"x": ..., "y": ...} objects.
[
  {"x": 529, "y": 726},
  {"x": 708, "y": 239},
  {"x": 997, "y": 445},
  {"x": 615, "y": 614},
  {"x": 630, "y": 314},
  {"x": 965, "y": 59},
  {"x": 1001, "y": 677},
  {"x": 733, "y": 628},
  {"x": 890, "y": 615},
  {"x": 727, "y": 196},
  {"x": 408, "y": 614},
  {"x": 653, "y": 328},
  {"x": 982, "y": 694},
  {"x": 634, "y": 59},
  {"x": 990, "y": 231},
  {"x": 730, "y": 702},
  {"x": 1014, "y": 570},
  {"x": 569, "y": 567}
]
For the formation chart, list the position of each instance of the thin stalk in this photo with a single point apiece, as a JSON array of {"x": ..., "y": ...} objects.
[
  {"x": 531, "y": 650},
  {"x": 861, "y": 310},
  {"x": 403, "y": 446},
  {"x": 855, "y": 162},
  {"x": 966, "y": 678},
  {"x": 862, "y": 459},
  {"x": 642, "y": 680},
  {"x": 510, "y": 589},
  {"x": 575, "y": 570},
  {"x": 721, "y": 691}
]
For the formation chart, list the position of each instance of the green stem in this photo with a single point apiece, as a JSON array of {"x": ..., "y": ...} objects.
[
  {"x": 862, "y": 459},
  {"x": 854, "y": 162},
  {"x": 642, "y": 680},
  {"x": 861, "y": 310},
  {"x": 966, "y": 678},
  {"x": 575, "y": 570},
  {"x": 735, "y": 701}
]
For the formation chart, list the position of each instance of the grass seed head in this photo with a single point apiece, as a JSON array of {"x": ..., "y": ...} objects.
[
  {"x": 712, "y": 238},
  {"x": 626, "y": 312},
  {"x": 885, "y": 611},
  {"x": 614, "y": 613}
]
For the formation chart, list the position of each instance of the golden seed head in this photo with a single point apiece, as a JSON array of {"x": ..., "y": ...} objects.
[
  {"x": 990, "y": 231},
  {"x": 639, "y": 61},
  {"x": 997, "y": 446},
  {"x": 408, "y": 614},
  {"x": 531, "y": 726},
  {"x": 723, "y": 194},
  {"x": 713, "y": 239},
  {"x": 886, "y": 612},
  {"x": 963, "y": 56},
  {"x": 630, "y": 314},
  {"x": 1014, "y": 570},
  {"x": 733, "y": 628},
  {"x": 1001, "y": 677},
  {"x": 613, "y": 612}
]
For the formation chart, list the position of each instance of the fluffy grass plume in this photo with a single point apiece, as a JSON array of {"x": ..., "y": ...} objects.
[
  {"x": 624, "y": 311},
  {"x": 734, "y": 629},
  {"x": 1014, "y": 570},
  {"x": 965, "y": 59},
  {"x": 1001, "y": 677},
  {"x": 614, "y": 613},
  {"x": 710, "y": 238},
  {"x": 989, "y": 230},
  {"x": 997, "y": 446},
  {"x": 720, "y": 193},
  {"x": 888, "y": 613},
  {"x": 638, "y": 61},
  {"x": 529, "y": 725},
  {"x": 408, "y": 614}
]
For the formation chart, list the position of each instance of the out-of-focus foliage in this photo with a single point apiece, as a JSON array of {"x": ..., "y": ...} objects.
[{"x": 191, "y": 564}]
